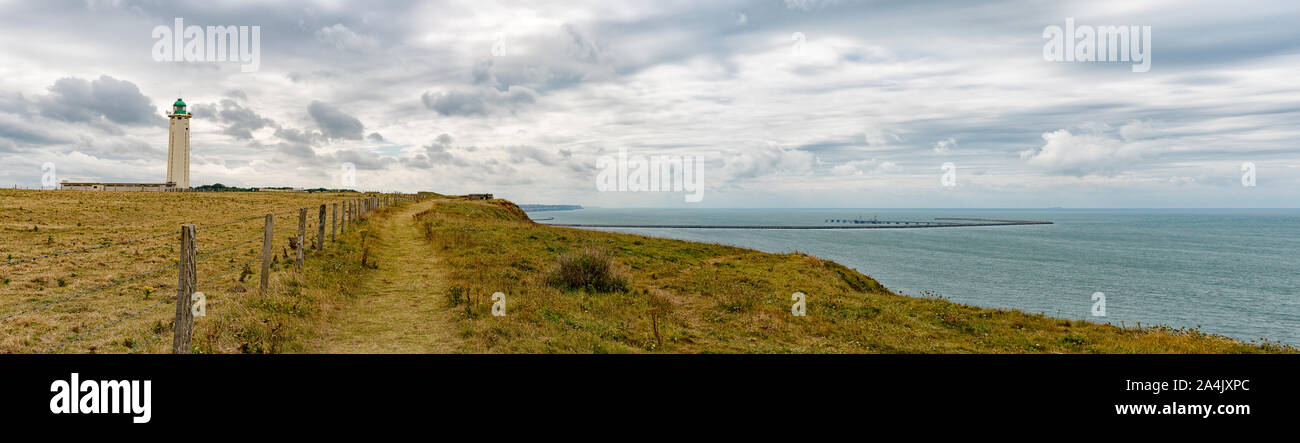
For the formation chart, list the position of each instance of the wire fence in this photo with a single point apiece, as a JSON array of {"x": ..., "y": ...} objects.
[
  {"x": 316, "y": 229},
  {"x": 134, "y": 240},
  {"x": 162, "y": 301},
  {"x": 96, "y": 289},
  {"x": 86, "y": 249}
]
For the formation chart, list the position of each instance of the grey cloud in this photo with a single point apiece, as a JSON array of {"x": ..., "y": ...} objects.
[
  {"x": 518, "y": 154},
  {"x": 296, "y": 150},
  {"x": 240, "y": 122},
  {"x": 363, "y": 160},
  {"x": 298, "y": 136},
  {"x": 14, "y": 103},
  {"x": 125, "y": 148},
  {"x": 77, "y": 100},
  {"x": 17, "y": 130},
  {"x": 437, "y": 153},
  {"x": 304, "y": 154},
  {"x": 482, "y": 73},
  {"x": 561, "y": 59},
  {"x": 303, "y": 77},
  {"x": 478, "y": 101},
  {"x": 335, "y": 123}
]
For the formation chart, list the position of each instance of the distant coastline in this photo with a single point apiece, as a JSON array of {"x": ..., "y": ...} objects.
[{"x": 544, "y": 208}]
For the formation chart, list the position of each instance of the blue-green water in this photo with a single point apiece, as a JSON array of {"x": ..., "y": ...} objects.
[{"x": 1230, "y": 271}]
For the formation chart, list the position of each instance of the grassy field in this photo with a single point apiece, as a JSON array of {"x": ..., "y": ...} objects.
[
  {"x": 686, "y": 297},
  {"x": 419, "y": 277},
  {"x": 54, "y": 304}
]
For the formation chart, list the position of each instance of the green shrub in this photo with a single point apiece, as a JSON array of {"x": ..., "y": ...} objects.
[{"x": 591, "y": 268}]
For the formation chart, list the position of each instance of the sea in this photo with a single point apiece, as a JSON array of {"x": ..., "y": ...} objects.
[{"x": 1234, "y": 272}]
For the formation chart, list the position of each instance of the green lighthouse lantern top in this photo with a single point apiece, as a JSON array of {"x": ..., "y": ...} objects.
[{"x": 178, "y": 107}]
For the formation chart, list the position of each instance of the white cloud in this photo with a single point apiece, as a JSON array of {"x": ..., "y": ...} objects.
[
  {"x": 1092, "y": 152},
  {"x": 808, "y": 5},
  {"x": 343, "y": 38},
  {"x": 1136, "y": 130},
  {"x": 866, "y": 167},
  {"x": 876, "y": 136},
  {"x": 944, "y": 146},
  {"x": 765, "y": 159}
]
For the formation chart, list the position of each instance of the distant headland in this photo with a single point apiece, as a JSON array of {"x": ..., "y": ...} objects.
[{"x": 544, "y": 208}]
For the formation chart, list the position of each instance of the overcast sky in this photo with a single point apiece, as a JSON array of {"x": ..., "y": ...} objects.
[{"x": 521, "y": 99}]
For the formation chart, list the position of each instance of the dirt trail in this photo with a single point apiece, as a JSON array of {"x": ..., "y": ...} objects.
[{"x": 400, "y": 309}]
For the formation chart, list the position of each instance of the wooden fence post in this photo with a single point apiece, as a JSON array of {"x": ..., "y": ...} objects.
[
  {"x": 184, "y": 325},
  {"x": 302, "y": 232},
  {"x": 267, "y": 238},
  {"x": 334, "y": 220},
  {"x": 320, "y": 229}
]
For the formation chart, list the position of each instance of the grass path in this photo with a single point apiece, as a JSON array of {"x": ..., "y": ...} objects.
[{"x": 400, "y": 309}]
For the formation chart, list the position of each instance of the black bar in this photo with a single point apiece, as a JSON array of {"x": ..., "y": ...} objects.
[{"x": 417, "y": 391}]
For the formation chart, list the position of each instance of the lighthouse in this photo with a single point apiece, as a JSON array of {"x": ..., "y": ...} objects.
[
  {"x": 178, "y": 160},
  {"x": 178, "y": 146}
]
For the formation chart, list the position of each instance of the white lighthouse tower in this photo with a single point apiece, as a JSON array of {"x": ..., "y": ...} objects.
[{"x": 178, "y": 147}]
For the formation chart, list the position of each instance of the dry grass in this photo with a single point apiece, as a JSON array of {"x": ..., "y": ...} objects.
[
  {"x": 687, "y": 297},
  {"x": 34, "y": 223}
]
